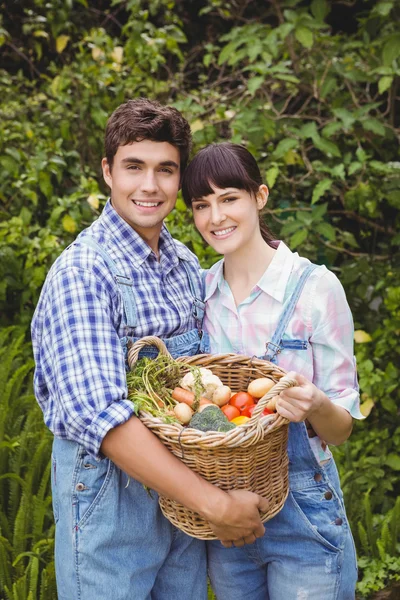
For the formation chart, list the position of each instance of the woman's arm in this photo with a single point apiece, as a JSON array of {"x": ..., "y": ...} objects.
[{"x": 331, "y": 400}]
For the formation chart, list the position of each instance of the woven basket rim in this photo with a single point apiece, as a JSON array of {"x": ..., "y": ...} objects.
[{"x": 244, "y": 435}]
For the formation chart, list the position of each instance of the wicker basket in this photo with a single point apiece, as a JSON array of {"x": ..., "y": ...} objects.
[{"x": 250, "y": 457}]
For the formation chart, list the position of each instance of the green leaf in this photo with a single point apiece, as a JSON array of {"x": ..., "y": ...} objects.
[
  {"x": 393, "y": 461},
  {"x": 320, "y": 189},
  {"x": 304, "y": 36},
  {"x": 254, "y": 84},
  {"x": 327, "y": 147},
  {"x": 354, "y": 167},
  {"x": 383, "y": 8},
  {"x": 327, "y": 231},
  {"x": 385, "y": 83},
  {"x": 344, "y": 115},
  {"x": 271, "y": 176},
  {"x": 374, "y": 125},
  {"x": 391, "y": 50},
  {"x": 298, "y": 238},
  {"x": 284, "y": 146},
  {"x": 320, "y": 9}
]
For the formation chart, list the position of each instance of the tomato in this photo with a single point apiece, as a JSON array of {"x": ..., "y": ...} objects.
[
  {"x": 230, "y": 411},
  {"x": 246, "y": 412},
  {"x": 241, "y": 400},
  {"x": 250, "y": 410}
]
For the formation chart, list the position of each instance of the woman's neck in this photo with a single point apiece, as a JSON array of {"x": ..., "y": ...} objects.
[{"x": 244, "y": 268}]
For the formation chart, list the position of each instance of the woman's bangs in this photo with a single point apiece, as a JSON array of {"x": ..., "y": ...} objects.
[{"x": 210, "y": 170}]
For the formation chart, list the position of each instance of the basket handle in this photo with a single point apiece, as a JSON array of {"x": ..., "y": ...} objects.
[
  {"x": 284, "y": 383},
  {"x": 149, "y": 340}
]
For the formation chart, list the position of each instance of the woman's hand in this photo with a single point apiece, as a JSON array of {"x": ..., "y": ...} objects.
[
  {"x": 298, "y": 403},
  {"x": 332, "y": 423}
]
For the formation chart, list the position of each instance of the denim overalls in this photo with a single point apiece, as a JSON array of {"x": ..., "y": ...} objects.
[
  {"x": 112, "y": 541},
  {"x": 307, "y": 552}
]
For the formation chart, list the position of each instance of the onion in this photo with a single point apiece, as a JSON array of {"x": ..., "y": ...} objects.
[
  {"x": 221, "y": 395},
  {"x": 183, "y": 413}
]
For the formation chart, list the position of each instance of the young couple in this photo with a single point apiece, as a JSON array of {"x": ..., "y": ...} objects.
[{"x": 125, "y": 277}]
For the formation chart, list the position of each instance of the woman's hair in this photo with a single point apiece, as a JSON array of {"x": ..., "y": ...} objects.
[
  {"x": 223, "y": 165},
  {"x": 143, "y": 119}
]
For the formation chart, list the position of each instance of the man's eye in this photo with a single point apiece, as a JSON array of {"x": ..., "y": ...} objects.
[
  {"x": 165, "y": 170},
  {"x": 133, "y": 167}
]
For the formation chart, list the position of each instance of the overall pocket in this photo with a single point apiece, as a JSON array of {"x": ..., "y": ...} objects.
[
  {"x": 321, "y": 512},
  {"x": 90, "y": 483}
]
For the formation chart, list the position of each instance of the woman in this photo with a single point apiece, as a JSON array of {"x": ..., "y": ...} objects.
[{"x": 264, "y": 300}]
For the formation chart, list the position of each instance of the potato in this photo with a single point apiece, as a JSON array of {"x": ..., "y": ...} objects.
[
  {"x": 221, "y": 395},
  {"x": 259, "y": 387},
  {"x": 183, "y": 413}
]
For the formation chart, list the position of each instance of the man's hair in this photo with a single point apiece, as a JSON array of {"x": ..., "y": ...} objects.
[{"x": 143, "y": 119}]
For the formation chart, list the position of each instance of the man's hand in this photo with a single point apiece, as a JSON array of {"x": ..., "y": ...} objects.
[
  {"x": 299, "y": 402},
  {"x": 238, "y": 521}
]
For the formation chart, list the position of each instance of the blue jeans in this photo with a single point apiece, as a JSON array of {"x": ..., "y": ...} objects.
[
  {"x": 112, "y": 541},
  {"x": 307, "y": 552}
]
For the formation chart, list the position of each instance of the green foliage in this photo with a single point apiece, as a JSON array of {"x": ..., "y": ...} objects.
[
  {"x": 26, "y": 523},
  {"x": 312, "y": 89}
]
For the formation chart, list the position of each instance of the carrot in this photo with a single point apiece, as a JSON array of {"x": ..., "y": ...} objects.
[{"x": 181, "y": 395}]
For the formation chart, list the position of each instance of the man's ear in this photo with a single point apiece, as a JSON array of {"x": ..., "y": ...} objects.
[
  {"x": 106, "y": 172},
  {"x": 262, "y": 196}
]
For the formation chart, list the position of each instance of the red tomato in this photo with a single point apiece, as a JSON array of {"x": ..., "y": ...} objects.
[
  {"x": 246, "y": 412},
  {"x": 241, "y": 400},
  {"x": 230, "y": 411},
  {"x": 250, "y": 410}
]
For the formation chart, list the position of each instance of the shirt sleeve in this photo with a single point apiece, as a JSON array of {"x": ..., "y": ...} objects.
[
  {"x": 332, "y": 342},
  {"x": 82, "y": 358}
]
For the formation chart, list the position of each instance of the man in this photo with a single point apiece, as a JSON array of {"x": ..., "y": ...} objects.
[{"x": 122, "y": 279}]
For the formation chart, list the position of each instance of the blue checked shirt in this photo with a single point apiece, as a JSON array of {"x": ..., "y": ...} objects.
[{"x": 80, "y": 377}]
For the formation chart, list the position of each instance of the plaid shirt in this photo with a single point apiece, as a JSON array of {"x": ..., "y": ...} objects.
[
  {"x": 322, "y": 317},
  {"x": 80, "y": 377}
]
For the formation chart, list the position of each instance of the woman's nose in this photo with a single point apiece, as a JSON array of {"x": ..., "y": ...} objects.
[{"x": 217, "y": 215}]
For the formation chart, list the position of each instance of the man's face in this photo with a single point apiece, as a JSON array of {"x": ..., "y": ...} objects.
[{"x": 144, "y": 182}]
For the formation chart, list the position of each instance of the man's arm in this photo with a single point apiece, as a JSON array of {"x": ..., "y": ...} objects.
[
  {"x": 234, "y": 516},
  {"x": 81, "y": 356}
]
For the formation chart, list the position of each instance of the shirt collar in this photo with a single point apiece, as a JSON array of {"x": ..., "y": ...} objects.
[
  {"x": 131, "y": 243},
  {"x": 275, "y": 279},
  {"x": 273, "y": 282}
]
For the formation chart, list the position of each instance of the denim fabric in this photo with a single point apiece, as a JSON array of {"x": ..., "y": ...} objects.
[
  {"x": 307, "y": 552},
  {"x": 112, "y": 541}
]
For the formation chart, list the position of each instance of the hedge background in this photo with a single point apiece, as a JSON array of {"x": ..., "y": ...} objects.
[{"x": 312, "y": 89}]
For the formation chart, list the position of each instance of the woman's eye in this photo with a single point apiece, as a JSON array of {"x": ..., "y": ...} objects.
[
  {"x": 199, "y": 206},
  {"x": 231, "y": 199}
]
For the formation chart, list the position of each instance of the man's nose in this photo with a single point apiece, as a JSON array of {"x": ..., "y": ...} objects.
[{"x": 149, "y": 182}]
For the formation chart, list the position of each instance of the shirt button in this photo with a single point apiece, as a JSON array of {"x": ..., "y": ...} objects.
[
  {"x": 328, "y": 495},
  {"x": 317, "y": 477},
  {"x": 338, "y": 521},
  {"x": 80, "y": 487}
]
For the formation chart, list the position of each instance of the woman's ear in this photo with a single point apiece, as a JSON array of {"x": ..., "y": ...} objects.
[{"x": 262, "y": 196}]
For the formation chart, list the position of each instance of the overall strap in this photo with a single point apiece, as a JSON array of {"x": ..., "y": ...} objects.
[
  {"x": 274, "y": 346},
  {"x": 125, "y": 284},
  {"x": 198, "y": 306}
]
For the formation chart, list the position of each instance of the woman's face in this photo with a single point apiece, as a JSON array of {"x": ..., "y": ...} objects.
[{"x": 228, "y": 219}]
